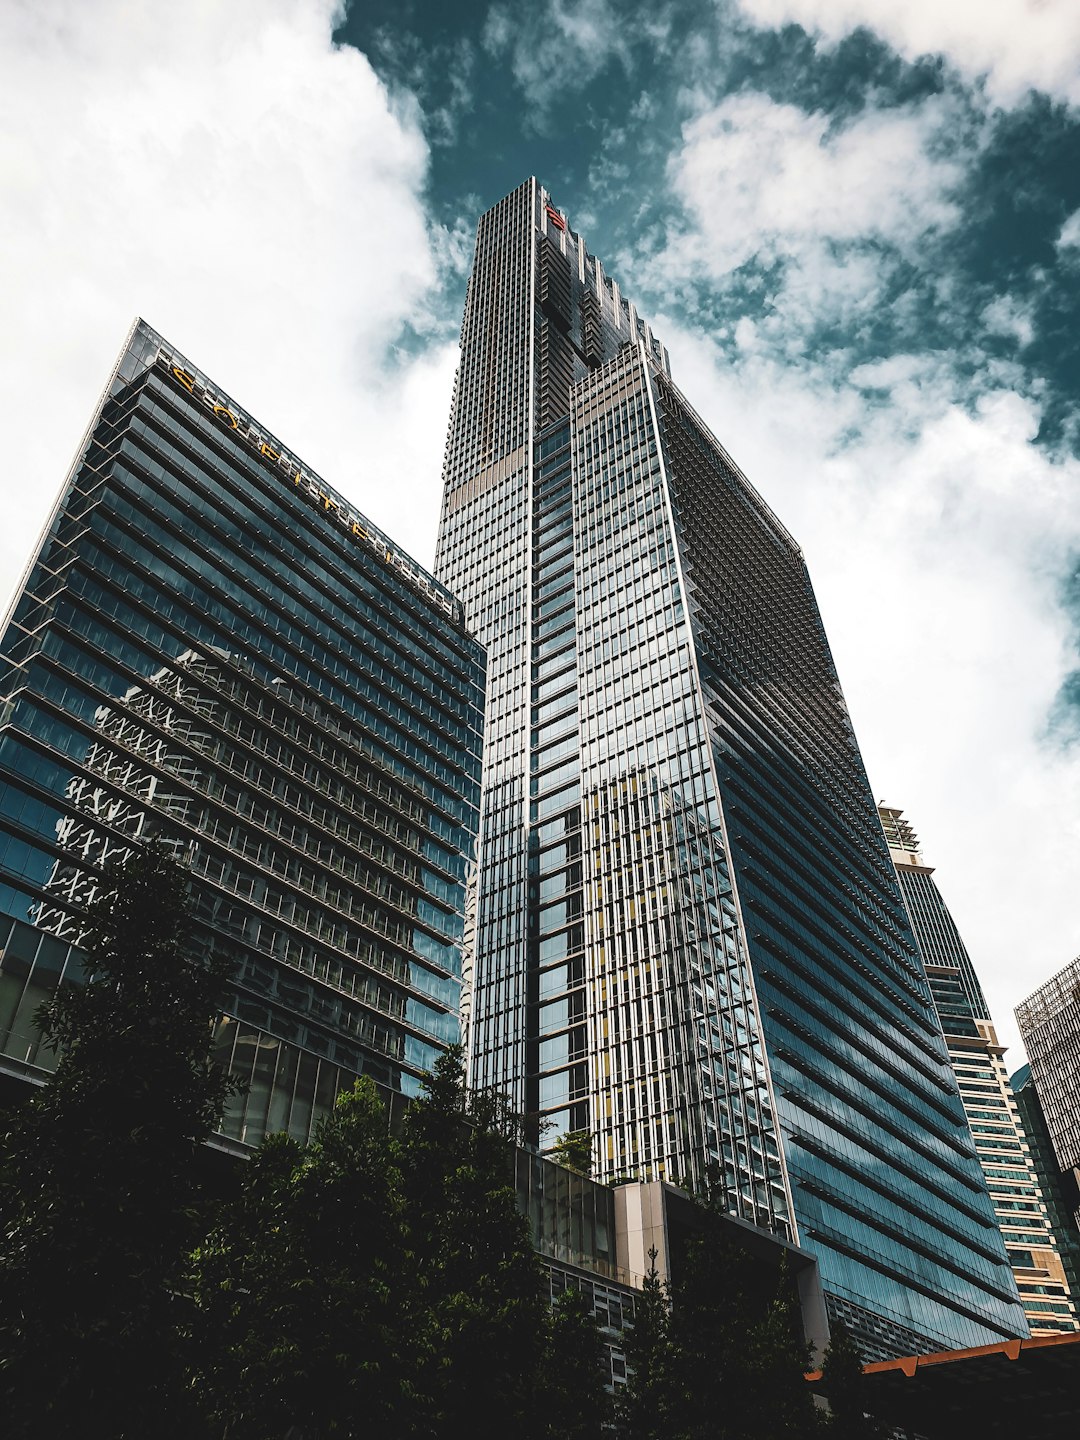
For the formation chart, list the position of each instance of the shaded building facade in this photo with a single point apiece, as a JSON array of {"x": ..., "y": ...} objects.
[
  {"x": 689, "y": 936},
  {"x": 1049, "y": 1023},
  {"x": 1025, "y": 1218},
  {"x": 1060, "y": 1188},
  {"x": 603, "y": 1241},
  {"x": 214, "y": 648},
  {"x": 1049, "y": 1090}
]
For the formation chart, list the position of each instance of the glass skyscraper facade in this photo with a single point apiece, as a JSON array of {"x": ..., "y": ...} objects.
[
  {"x": 1004, "y": 1149},
  {"x": 689, "y": 936},
  {"x": 1049, "y": 1022},
  {"x": 213, "y": 647},
  {"x": 1061, "y": 1189}
]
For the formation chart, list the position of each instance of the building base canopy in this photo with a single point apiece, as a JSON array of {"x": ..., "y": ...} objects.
[{"x": 1018, "y": 1387}]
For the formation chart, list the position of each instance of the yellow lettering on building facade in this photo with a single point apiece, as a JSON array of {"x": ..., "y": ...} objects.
[{"x": 328, "y": 503}]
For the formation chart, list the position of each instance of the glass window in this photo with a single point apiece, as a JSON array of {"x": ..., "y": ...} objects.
[
  {"x": 553, "y": 981},
  {"x": 304, "y": 1096},
  {"x": 559, "y": 800},
  {"x": 554, "y": 1016},
  {"x": 555, "y": 1051},
  {"x": 555, "y": 1089}
]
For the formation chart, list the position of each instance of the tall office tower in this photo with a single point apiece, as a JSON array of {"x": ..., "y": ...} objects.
[
  {"x": 213, "y": 647},
  {"x": 689, "y": 938},
  {"x": 1023, "y": 1214},
  {"x": 1061, "y": 1191},
  {"x": 1049, "y": 1023}
]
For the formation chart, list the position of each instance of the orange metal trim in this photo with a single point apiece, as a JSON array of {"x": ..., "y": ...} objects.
[{"x": 1007, "y": 1349}]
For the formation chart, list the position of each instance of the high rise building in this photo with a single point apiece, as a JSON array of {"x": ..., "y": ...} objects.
[
  {"x": 1048, "y": 1089},
  {"x": 1060, "y": 1189},
  {"x": 689, "y": 936},
  {"x": 1049, "y": 1023},
  {"x": 1001, "y": 1140},
  {"x": 213, "y": 647}
]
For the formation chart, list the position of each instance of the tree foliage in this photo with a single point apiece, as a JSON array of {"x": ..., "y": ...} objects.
[
  {"x": 572, "y": 1394},
  {"x": 377, "y": 1287},
  {"x": 779, "y": 1358},
  {"x": 845, "y": 1388},
  {"x": 482, "y": 1323},
  {"x": 97, "y": 1184},
  {"x": 363, "y": 1285},
  {"x": 304, "y": 1287},
  {"x": 574, "y": 1150},
  {"x": 716, "y": 1356},
  {"x": 648, "y": 1401}
]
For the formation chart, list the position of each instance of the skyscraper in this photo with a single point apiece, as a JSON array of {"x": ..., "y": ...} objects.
[
  {"x": 689, "y": 937},
  {"x": 1049, "y": 1022},
  {"x": 1060, "y": 1189},
  {"x": 213, "y": 647},
  {"x": 1004, "y": 1149}
]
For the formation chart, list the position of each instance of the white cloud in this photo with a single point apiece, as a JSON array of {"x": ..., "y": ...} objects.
[
  {"x": 761, "y": 178},
  {"x": 937, "y": 540},
  {"x": 830, "y": 211},
  {"x": 1069, "y": 238},
  {"x": 225, "y": 171},
  {"x": 890, "y": 373},
  {"x": 1016, "y": 45},
  {"x": 559, "y": 46},
  {"x": 1005, "y": 315}
]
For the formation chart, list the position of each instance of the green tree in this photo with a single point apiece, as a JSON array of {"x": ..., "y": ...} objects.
[
  {"x": 845, "y": 1388},
  {"x": 374, "y": 1287},
  {"x": 648, "y": 1401},
  {"x": 779, "y": 1359},
  {"x": 738, "y": 1351},
  {"x": 574, "y": 1402},
  {"x": 97, "y": 1186},
  {"x": 574, "y": 1150},
  {"x": 482, "y": 1320},
  {"x": 712, "y": 1394},
  {"x": 306, "y": 1289}
]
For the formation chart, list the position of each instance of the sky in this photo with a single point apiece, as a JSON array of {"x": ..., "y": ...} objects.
[{"x": 854, "y": 223}]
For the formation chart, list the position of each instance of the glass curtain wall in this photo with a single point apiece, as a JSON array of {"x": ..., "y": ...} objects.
[
  {"x": 215, "y": 648},
  {"x": 716, "y": 976}
]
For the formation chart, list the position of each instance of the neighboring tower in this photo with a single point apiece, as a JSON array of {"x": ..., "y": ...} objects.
[
  {"x": 1049, "y": 1024},
  {"x": 689, "y": 936},
  {"x": 213, "y": 647},
  {"x": 1060, "y": 1190},
  {"x": 1050, "y": 1027},
  {"x": 996, "y": 1125}
]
